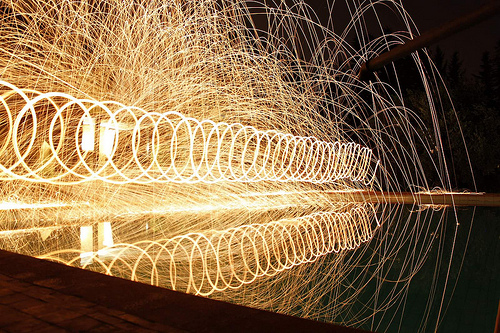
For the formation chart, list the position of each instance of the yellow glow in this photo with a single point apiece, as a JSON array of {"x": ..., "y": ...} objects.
[
  {"x": 228, "y": 259},
  {"x": 44, "y": 231},
  {"x": 11, "y": 205},
  {"x": 107, "y": 139},
  {"x": 225, "y": 152},
  {"x": 86, "y": 244},
  {"x": 105, "y": 235},
  {"x": 176, "y": 143}
]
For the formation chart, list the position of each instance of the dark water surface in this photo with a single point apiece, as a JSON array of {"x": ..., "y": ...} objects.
[{"x": 474, "y": 286}]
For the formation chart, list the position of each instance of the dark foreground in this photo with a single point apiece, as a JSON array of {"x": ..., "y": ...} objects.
[{"x": 37, "y": 295}]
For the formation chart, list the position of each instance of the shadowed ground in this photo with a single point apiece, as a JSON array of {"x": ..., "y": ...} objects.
[{"x": 42, "y": 296}]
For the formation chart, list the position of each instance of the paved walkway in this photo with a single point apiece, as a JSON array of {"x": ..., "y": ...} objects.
[
  {"x": 42, "y": 296},
  {"x": 26, "y": 307}
]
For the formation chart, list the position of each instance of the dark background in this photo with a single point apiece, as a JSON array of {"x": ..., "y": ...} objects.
[
  {"x": 427, "y": 14},
  {"x": 470, "y": 43},
  {"x": 469, "y": 63}
]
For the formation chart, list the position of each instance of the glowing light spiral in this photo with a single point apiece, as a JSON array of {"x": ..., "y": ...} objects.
[
  {"x": 229, "y": 114},
  {"x": 136, "y": 146},
  {"x": 203, "y": 263}
]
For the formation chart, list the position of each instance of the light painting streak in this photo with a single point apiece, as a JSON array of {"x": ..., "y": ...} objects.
[
  {"x": 203, "y": 263},
  {"x": 149, "y": 147},
  {"x": 217, "y": 147}
]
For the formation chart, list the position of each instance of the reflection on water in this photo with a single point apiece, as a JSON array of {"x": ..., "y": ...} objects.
[
  {"x": 473, "y": 292},
  {"x": 381, "y": 267}
]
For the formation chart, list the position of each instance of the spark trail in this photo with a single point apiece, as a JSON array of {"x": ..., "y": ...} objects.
[
  {"x": 136, "y": 146},
  {"x": 203, "y": 263},
  {"x": 222, "y": 146}
]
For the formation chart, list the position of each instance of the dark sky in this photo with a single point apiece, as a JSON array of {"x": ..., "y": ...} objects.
[
  {"x": 427, "y": 14},
  {"x": 470, "y": 43}
]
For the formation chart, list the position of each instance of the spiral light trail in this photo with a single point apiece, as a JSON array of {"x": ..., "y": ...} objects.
[
  {"x": 205, "y": 262},
  {"x": 136, "y": 146},
  {"x": 220, "y": 143}
]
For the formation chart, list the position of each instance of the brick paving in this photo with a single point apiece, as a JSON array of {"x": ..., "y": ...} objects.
[
  {"x": 26, "y": 307},
  {"x": 42, "y": 296}
]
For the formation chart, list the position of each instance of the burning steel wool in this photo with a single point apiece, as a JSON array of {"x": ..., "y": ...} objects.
[{"x": 214, "y": 147}]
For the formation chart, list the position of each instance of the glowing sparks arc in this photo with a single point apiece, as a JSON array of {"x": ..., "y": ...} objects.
[
  {"x": 136, "y": 146},
  {"x": 214, "y": 147},
  {"x": 203, "y": 263}
]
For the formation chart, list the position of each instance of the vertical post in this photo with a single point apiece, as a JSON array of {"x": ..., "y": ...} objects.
[
  {"x": 86, "y": 244},
  {"x": 104, "y": 235},
  {"x": 88, "y": 134}
]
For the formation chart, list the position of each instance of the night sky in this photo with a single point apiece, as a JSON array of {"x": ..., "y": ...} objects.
[
  {"x": 470, "y": 43},
  {"x": 427, "y": 14}
]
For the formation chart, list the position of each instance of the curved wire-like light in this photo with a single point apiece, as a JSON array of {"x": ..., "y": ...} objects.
[
  {"x": 136, "y": 146},
  {"x": 205, "y": 262}
]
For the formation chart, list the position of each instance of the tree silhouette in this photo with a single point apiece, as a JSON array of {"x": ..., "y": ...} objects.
[
  {"x": 475, "y": 101},
  {"x": 455, "y": 71},
  {"x": 486, "y": 78},
  {"x": 495, "y": 80},
  {"x": 440, "y": 61},
  {"x": 476, "y": 105}
]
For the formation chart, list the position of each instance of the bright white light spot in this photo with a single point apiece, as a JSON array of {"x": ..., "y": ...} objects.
[
  {"x": 86, "y": 244},
  {"x": 105, "y": 234},
  {"x": 107, "y": 138},
  {"x": 88, "y": 134}
]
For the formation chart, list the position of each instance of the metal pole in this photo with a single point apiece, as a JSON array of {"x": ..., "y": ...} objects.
[{"x": 428, "y": 38}]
